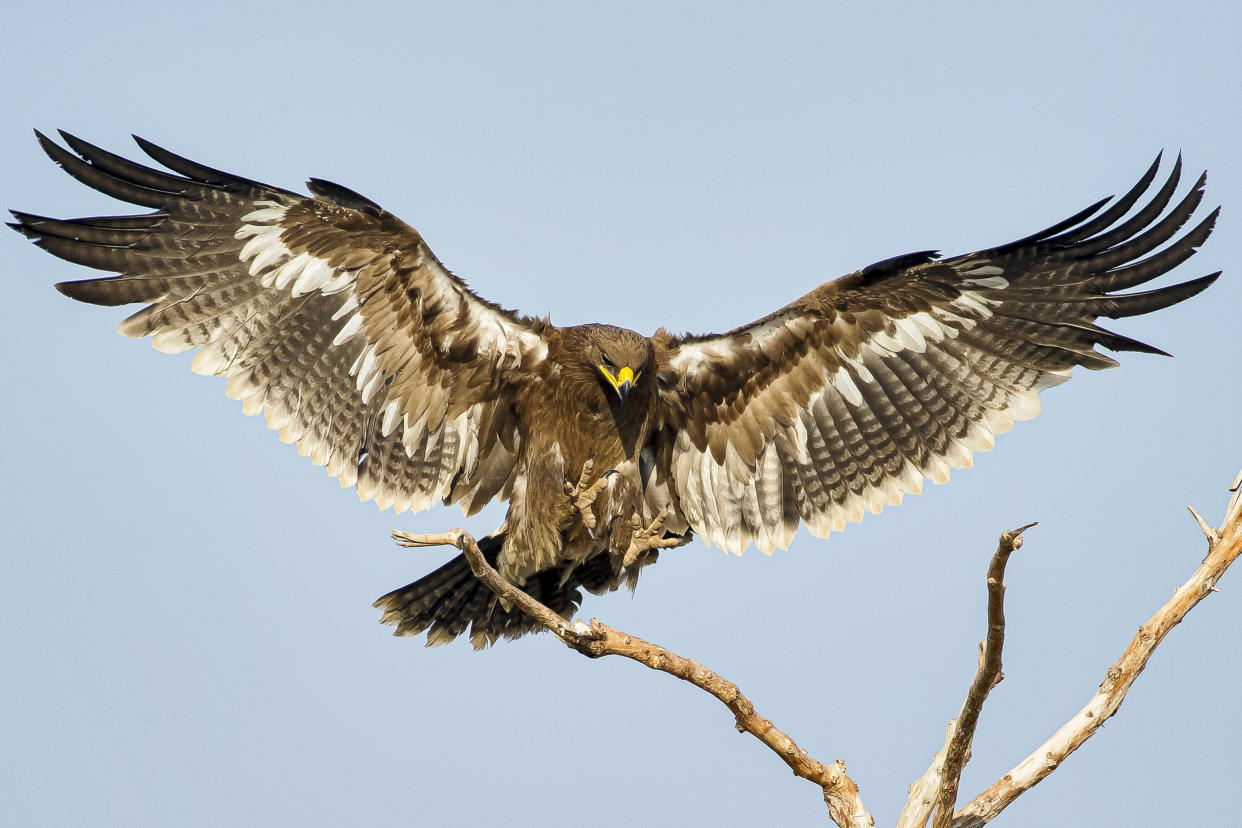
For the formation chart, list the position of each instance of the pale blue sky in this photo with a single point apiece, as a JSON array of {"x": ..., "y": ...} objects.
[{"x": 185, "y": 620}]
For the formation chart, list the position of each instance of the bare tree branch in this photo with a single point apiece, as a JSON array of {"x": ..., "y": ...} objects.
[
  {"x": 1225, "y": 545},
  {"x": 936, "y": 791},
  {"x": 937, "y": 788},
  {"x": 987, "y": 676},
  {"x": 921, "y": 798},
  {"x": 597, "y": 639}
]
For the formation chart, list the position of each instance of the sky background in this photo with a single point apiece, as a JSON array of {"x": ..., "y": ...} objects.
[{"x": 185, "y": 622}]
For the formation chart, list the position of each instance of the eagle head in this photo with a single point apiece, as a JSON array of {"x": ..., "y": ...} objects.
[{"x": 619, "y": 357}]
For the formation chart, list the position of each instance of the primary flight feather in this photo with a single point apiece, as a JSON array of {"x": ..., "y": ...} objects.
[{"x": 334, "y": 318}]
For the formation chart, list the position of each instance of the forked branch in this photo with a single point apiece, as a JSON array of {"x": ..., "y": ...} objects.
[
  {"x": 936, "y": 790},
  {"x": 1224, "y": 547}
]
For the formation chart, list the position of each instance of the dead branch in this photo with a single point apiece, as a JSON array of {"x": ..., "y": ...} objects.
[
  {"x": 597, "y": 639},
  {"x": 937, "y": 788},
  {"x": 1224, "y": 547},
  {"x": 936, "y": 791},
  {"x": 922, "y": 795}
]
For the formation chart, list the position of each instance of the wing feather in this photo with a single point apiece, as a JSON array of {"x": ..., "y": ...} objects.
[
  {"x": 328, "y": 315},
  {"x": 849, "y": 398}
]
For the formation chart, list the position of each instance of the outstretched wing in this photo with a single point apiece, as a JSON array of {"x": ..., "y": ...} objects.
[
  {"x": 856, "y": 393},
  {"x": 328, "y": 314}
]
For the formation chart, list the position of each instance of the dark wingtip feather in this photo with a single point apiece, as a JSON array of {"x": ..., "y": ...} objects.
[
  {"x": 68, "y": 137},
  {"x": 1195, "y": 286},
  {"x": 1144, "y": 348},
  {"x": 102, "y": 177},
  {"x": 1162, "y": 262},
  {"x": 26, "y": 223},
  {"x": 78, "y": 290},
  {"x": 343, "y": 196},
  {"x": 96, "y": 291},
  {"x": 48, "y": 146},
  {"x": 1048, "y": 232},
  {"x": 201, "y": 172},
  {"x": 1149, "y": 301},
  {"x": 897, "y": 264},
  {"x": 1141, "y": 348},
  {"x": 1119, "y": 342},
  {"x": 1150, "y": 175},
  {"x": 122, "y": 168},
  {"x": 191, "y": 169},
  {"x": 1117, "y": 209},
  {"x": 154, "y": 150}
]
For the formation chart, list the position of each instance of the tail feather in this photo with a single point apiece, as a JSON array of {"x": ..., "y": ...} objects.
[{"x": 450, "y": 600}]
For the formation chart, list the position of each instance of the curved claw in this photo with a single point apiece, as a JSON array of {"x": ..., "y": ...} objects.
[{"x": 644, "y": 539}]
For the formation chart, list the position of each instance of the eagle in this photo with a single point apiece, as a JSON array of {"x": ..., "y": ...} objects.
[{"x": 334, "y": 319}]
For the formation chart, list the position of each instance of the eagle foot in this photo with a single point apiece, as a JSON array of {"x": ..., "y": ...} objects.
[
  {"x": 644, "y": 539},
  {"x": 584, "y": 493}
]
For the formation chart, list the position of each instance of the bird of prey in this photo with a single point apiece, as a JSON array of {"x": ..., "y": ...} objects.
[{"x": 334, "y": 318}]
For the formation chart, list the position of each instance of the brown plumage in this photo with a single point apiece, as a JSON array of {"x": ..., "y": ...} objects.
[{"x": 334, "y": 318}]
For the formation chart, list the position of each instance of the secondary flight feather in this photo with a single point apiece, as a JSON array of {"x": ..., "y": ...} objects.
[{"x": 334, "y": 319}]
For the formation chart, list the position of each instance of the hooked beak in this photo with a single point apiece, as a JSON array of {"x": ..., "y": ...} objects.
[{"x": 622, "y": 382}]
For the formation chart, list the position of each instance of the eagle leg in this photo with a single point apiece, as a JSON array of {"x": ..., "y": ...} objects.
[
  {"x": 584, "y": 493},
  {"x": 643, "y": 540}
]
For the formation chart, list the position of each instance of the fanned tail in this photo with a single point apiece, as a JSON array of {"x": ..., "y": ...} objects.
[{"x": 450, "y": 600}]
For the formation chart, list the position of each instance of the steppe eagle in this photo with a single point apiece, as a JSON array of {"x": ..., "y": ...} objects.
[{"x": 334, "y": 318}]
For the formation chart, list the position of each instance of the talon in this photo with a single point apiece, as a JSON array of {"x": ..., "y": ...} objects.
[
  {"x": 574, "y": 488},
  {"x": 584, "y": 493},
  {"x": 651, "y": 537}
]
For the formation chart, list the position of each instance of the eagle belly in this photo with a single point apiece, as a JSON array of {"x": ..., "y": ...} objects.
[{"x": 550, "y": 529}]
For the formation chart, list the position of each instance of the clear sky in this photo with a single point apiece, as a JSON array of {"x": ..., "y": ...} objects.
[{"x": 185, "y": 619}]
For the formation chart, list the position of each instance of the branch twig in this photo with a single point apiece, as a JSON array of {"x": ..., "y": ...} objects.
[
  {"x": 937, "y": 787},
  {"x": 598, "y": 639}
]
